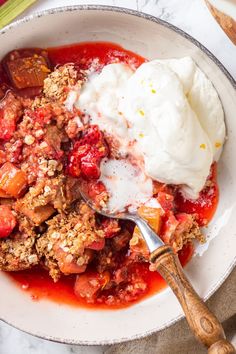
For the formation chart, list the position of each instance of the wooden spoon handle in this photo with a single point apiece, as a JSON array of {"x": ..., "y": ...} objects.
[{"x": 201, "y": 320}]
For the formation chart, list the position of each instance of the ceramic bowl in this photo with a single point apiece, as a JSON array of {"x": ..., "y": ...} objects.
[{"x": 152, "y": 38}]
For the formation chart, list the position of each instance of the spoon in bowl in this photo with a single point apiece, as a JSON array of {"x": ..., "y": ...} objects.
[{"x": 203, "y": 323}]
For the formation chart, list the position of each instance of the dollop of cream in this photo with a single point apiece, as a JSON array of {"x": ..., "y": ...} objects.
[
  {"x": 167, "y": 110},
  {"x": 202, "y": 98}
]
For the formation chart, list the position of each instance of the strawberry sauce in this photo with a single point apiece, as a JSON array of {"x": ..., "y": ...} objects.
[{"x": 39, "y": 285}]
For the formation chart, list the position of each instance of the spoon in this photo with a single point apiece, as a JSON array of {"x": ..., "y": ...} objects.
[{"x": 203, "y": 323}]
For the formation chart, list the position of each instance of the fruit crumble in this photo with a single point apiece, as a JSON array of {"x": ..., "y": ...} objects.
[{"x": 67, "y": 121}]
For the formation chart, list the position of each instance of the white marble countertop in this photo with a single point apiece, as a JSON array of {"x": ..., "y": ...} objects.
[{"x": 193, "y": 17}]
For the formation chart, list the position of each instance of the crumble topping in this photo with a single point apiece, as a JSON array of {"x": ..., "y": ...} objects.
[
  {"x": 68, "y": 239},
  {"x": 18, "y": 252},
  {"x": 57, "y": 84}
]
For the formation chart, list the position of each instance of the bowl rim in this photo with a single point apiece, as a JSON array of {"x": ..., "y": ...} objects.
[{"x": 145, "y": 16}]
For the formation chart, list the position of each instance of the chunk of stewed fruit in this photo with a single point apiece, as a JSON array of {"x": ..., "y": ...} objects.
[
  {"x": 153, "y": 217},
  {"x": 10, "y": 113},
  {"x": 26, "y": 70},
  {"x": 13, "y": 181},
  {"x": 88, "y": 285},
  {"x": 7, "y": 221},
  {"x": 87, "y": 153}
]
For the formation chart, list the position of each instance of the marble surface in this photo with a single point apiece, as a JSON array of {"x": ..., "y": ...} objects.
[{"x": 193, "y": 17}]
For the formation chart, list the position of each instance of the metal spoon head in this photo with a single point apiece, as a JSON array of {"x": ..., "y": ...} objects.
[
  {"x": 152, "y": 240},
  {"x": 105, "y": 211}
]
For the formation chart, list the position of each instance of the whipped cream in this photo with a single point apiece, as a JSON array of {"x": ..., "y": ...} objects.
[
  {"x": 167, "y": 111},
  {"x": 100, "y": 97},
  {"x": 202, "y": 98}
]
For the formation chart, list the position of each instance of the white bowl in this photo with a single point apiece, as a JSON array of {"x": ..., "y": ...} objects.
[{"x": 152, "y": 38}]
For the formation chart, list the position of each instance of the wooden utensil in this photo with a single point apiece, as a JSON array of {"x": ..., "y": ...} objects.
[
  {"x": 227, "y": 23},
  {"x": 203, "y": 323}
]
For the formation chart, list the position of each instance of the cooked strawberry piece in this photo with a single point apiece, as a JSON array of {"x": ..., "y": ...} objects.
[
  {"x": 10, "y": 112},
  {"x": 81, "y": 150},
  {"x": 7, "y": 221},
  {"x": 87, "y": 153},
  {"x": 74, "y": 168},
  {"x": 92, "y": 136},
  {"x": 90, "y": 169}
]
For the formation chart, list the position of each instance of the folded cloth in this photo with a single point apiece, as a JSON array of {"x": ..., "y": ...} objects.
[{"x": 178, "y": 339}]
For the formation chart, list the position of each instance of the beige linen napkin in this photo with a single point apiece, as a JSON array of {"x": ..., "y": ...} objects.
[{"x": 178, "y": 339}]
